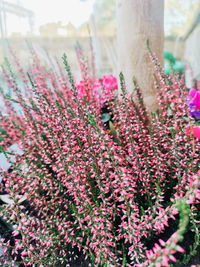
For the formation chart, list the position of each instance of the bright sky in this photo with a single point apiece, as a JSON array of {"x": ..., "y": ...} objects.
[{"x": 75, "y": 11}]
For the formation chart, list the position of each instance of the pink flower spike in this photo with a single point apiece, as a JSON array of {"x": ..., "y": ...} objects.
[
  {"x": 180, "y": 249},
  {"x": 15, "y": 233},
  {"x": 172, "y": 258},
  {"x": 158, "y": 264},
  {"x": 161, "y": 242}
]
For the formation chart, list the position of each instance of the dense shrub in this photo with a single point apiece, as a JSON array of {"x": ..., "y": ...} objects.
[{"x": 102, "y": 176}]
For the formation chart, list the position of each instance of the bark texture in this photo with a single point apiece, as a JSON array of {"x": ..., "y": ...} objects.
[{"x": 137, "y": 22}]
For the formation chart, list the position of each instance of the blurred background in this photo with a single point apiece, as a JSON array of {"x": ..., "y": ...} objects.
[{"x": 54, "y": 27}]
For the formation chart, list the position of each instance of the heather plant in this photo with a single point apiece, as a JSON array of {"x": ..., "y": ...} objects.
[{"x": 102, "y": 177}]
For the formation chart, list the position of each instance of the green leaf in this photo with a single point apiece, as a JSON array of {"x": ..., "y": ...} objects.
[
  {"x": 105, "y": 117},
  {"x": 91, "y": 119}
]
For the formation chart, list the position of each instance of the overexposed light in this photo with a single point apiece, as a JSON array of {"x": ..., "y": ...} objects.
[{"x": 47, "y": 11}]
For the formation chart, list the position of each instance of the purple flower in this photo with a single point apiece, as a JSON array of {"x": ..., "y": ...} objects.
[
  {"x": 195, "y": 114},
  {"x": 194, "y": 103}
]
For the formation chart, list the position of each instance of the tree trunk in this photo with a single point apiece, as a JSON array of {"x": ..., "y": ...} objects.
[{"x": 139, "y": 21}]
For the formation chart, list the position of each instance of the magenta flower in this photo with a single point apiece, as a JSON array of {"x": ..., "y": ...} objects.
[
  {"x": 195, "y": 98},
  {"x": 194, "y": 103},
  {"x": 109, "y": 82},
  {"x": 101, "y": 89},
  {"x": 196, "y": 131}
]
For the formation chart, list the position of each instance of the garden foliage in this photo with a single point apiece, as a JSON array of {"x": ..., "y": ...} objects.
[{"x": 102, "y": 176}]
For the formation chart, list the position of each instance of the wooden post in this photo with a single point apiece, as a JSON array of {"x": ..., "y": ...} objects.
[{"x": 137, "y": 22}]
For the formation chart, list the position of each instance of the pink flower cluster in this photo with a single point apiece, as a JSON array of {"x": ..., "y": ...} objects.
[
  {"x": 105, "y": 195},
  {"x": 162, "y": 254},
  {"x": 89, "y": 87},
  {"x": 102, "y": 88}
]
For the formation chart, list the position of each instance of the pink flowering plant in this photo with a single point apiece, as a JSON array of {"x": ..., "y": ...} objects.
[{"x": 104, "y": 180}]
